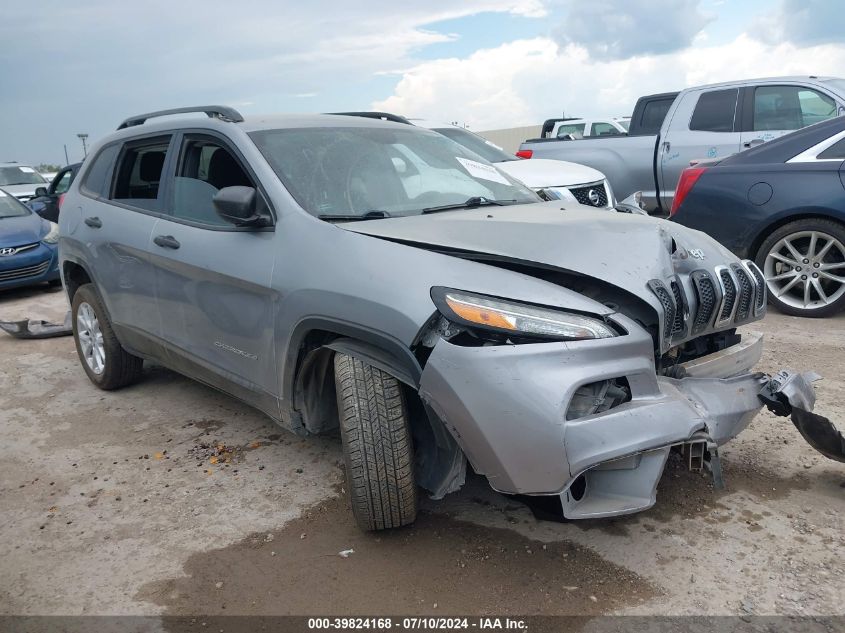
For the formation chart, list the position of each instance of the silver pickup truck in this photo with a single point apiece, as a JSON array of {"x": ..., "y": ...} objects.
[{"x": 670, "y": 130}]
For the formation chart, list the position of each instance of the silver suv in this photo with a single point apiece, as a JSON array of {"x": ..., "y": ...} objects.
[{"x": 346, "y": 273}]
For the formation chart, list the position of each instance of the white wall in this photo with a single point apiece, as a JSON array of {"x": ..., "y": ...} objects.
[{"x": 509, "y": 139}]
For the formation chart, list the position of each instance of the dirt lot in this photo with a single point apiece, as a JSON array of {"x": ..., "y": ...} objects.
[{"x": 170, "y": 498}]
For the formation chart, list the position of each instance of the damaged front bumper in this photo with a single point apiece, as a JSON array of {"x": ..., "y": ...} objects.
[{"x": 507, "y": 408}]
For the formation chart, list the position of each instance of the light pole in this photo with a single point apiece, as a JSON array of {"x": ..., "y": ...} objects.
[{"x": 82, "y": 138}]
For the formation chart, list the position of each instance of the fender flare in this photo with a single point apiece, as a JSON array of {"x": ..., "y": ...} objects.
[
  {"x": 379, "y": 358},
  {"x": 381, "y": 350}
]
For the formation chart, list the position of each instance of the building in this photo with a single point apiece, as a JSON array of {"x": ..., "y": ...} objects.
[{"x": 509, "y": 139}]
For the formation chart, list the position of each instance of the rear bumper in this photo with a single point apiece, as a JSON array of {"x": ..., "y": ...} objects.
[
  {"x": 506, "y": 407},
  {"x": 30, "y": 267}
]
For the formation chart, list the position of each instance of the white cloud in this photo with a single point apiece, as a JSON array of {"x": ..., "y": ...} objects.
[
  {"x": 167, "y": 53},
  {"x": 527, "y": 81},
  {"x": 807, "y": 22},
  {"x": 618, "y": 29}
]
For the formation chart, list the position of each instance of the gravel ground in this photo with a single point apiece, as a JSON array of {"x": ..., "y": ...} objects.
[{"x": 170, "y": 498}]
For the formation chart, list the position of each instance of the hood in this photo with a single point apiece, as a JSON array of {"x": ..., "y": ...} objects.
[
  {"x": 542, "y": 172},
  {"x": 23, "y": 191},
  {"x": 20, "y": 230},
  {"x": 621, "y": 249}
]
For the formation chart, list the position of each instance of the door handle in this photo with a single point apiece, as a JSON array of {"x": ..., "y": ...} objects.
[
  {"x": 753, "y": 142},
  {"x": 166, "y": 241},
  {"x": 666, "y": 146},
  {"x": 94, "y": 222}
]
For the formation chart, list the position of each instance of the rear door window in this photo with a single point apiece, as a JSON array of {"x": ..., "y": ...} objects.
[
  {"x": 139, "y": 173},
  {"x": 834, "y": 152},
  {"x": 576, "y": 130},
  {"x": 654, "y": 114},
  {"x": 97, "y": 179},
  {"x": 715, "y": 111}
]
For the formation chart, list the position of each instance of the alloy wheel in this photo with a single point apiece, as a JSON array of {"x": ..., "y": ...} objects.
[
  {"x": 806, "y": 270},
  {"x": 90, "y": 338}
]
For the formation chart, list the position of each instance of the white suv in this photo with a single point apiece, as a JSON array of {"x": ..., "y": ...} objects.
[{"x": 559, "y": 179}]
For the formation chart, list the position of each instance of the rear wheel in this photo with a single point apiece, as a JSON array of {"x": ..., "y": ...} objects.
[
  {"x": 804, "y": 266},
  {"x": 107, "y": 364},
  {"x": 377, "y": 448}
]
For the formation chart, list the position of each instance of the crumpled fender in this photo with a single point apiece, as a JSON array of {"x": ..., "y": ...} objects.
[
  {"x": 790, "y": 393},
  {"x": 29, "y": 328}
]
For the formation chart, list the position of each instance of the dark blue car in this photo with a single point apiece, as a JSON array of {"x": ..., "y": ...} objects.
[
  {"x": 781, "y": 204},
  {"x": 28, "y": 253}
]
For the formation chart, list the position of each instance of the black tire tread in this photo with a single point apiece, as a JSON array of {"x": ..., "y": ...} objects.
[
  {"x": 122, "y": 368},
  {"x": 832, "y": 227},
  {"x": 377, "y": 445}
]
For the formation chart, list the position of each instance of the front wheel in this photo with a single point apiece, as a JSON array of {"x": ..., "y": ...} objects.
[
  {"x": 107, "y": 364},
  {"x": 804, "y": 266},
  {"x": 377, "y": 447}
]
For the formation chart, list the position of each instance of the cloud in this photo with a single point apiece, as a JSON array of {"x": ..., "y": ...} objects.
[
  {"x": 803, "y": 22},
  {"x": 618, "y": 29},
  {"x": 527, "y": 81},
  {"x": 84, "y": 66}
]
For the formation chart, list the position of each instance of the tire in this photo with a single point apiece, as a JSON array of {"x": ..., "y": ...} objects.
[
  {"x": 118, "y": 367},
  {"x": 377, "y": 447},
  {"x": 820, "y": 246}
]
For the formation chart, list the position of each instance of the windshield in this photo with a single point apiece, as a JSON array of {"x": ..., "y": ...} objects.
[
  {"x": 625, "y": 123},
  {"x": 10, "y": 207},
  {"x": 475, "y": 143},
  {"x": 349, "y": 172},
  {"x": 21, "y": 175}
]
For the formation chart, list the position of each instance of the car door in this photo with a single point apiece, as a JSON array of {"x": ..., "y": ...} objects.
[
  {"x": 122, "y": 195},
  {"x": 216, "y": 307},
  {"x": 773, "y": 110},
  {"x": 704, "y": 125}
]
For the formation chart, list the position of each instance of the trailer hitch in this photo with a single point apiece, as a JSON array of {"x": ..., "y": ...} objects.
[{"x": 789, "y": 393}]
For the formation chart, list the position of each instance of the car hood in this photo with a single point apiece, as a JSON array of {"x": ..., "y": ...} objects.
[
  {"x": 543, "y": 172},
  {"x": 20, "y": 230},
  {"x": 23, "y": 191},
  {"x": 621, "y": 249}
]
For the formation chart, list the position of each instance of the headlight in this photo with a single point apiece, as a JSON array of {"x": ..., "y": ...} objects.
[
  {"x": 516, "y": 318},
  {"x": 53, "y": 235}
]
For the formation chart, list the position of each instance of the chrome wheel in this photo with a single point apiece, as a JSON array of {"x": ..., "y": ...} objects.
[
  {"x": 90, "y": 338},
  {"x": 806, "y": 270}
]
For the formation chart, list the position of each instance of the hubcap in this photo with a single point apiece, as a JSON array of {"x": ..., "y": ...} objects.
[
  {"x": 789, "y": 261},
  {"x": 90, "y": 338}
]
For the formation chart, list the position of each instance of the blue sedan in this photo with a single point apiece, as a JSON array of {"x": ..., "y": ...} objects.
[
  {"x": 27, "y": 246},
  {"x": 781, "y": 204}
]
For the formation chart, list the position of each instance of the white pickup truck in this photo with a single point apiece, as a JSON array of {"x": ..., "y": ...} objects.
[
  {"x": 704, "y": 122},
  {"x": 581, "y": 128}
]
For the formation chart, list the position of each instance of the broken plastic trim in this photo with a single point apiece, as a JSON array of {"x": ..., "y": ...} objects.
[
  {"x": 29, "y": 328},
  {"x": 791, "y": 394}
]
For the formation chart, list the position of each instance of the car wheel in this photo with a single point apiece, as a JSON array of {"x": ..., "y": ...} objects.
[
  {"x": 107, "y": 364},
  {"x": 377, "y": 447},
  {"x": 804, "y": 266}
]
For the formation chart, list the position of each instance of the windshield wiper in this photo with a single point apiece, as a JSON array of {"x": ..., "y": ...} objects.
[
  {"x": 369, "y": 215},
  {"x": 470, "y": 203}
]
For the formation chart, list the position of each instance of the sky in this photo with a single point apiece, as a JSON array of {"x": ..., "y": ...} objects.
[{"x": 84, "y": 66}]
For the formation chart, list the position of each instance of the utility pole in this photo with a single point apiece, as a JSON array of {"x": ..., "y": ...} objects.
[
  {"x": 82, "y": 137},
  {"x": 67, "y": 160}
]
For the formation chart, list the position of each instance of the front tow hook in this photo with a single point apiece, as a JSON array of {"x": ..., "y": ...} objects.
[{"x": 789, "y": 393}]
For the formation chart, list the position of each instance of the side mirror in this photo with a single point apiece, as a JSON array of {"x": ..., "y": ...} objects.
[
  {"x": 40, "y": 192},
  {"x": 237, "y": 205}
]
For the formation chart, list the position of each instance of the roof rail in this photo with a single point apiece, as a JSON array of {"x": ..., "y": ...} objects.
[
  {"x": 224, "y": 113},
  {"x": 384, "y": 116}
]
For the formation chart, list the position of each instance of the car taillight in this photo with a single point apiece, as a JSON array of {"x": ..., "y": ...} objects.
[
  {"x": 60, "y": 200},
  {"x": 685, "y": 184},
  {"x": 525, "y": 153}
]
